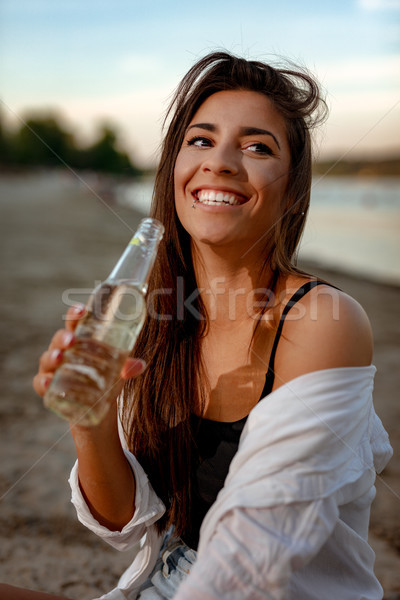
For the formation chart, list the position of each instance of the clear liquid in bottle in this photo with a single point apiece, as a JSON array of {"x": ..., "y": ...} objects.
[{"x": 89, "y": 377}]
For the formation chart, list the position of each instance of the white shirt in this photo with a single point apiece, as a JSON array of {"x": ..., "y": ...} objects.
[{"x": 291, "y": 521}]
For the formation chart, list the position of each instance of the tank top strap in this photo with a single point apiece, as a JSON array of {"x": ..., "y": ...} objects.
[{"x": 298, "y": 295}]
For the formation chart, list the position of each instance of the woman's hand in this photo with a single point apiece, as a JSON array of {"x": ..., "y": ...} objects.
[
  {"x": 64, "y": 339},
  {"x": 52, "y": 357}
]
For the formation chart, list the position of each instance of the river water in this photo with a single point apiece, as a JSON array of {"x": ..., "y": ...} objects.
[{"x": 353, "y": 224}]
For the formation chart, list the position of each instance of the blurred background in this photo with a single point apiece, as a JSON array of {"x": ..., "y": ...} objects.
[{"x": 84, "y": 88}]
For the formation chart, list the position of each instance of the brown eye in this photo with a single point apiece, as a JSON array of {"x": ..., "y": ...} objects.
[
  {"x": 260, "y": 148},
  {"x": 199, "y": 141}
]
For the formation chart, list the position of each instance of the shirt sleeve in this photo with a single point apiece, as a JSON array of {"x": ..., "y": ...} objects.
[
  {"x": 149, "y": 508},
  {"x": 254, "y": 552}
]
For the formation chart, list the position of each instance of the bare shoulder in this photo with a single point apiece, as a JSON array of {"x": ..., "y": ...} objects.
[{"x": 325, "y": 329}]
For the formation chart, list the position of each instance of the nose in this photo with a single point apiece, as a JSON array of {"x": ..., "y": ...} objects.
[{"x": 222, "y": 159}]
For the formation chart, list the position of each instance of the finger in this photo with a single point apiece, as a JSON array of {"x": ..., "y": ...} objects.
[
  {"x": 73, "y": 316},
  {"x": 132, "y": 368},
  {"x": 41, "y": 382},
  {"x": 50, "y": 360},
  {"x": 62, "y": 340}
]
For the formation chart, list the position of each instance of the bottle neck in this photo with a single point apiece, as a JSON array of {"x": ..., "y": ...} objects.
[{"x": 135, "y": 265}]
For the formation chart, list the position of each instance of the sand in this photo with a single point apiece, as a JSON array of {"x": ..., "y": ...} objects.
[{"x": 58, "y": 238}]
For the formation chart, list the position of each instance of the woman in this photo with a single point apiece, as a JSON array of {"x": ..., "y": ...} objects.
[{"x": 240, "y": 345}]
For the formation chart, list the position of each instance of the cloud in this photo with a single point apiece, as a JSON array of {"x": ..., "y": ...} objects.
[
  {"x": 367, "y": 73},
  {"x": 379, "y": 4}
]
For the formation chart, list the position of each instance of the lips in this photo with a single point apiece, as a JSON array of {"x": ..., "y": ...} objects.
[{"x": 218, "y": 197}]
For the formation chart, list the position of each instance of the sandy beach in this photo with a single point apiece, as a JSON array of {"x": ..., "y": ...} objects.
[{"x": 58, "y": 238}]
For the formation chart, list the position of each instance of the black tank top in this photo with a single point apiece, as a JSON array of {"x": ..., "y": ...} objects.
[{"x": 216, "y": 442}]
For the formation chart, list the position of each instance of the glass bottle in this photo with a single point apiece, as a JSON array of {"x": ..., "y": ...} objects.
[{"x": 85, "y": 383}]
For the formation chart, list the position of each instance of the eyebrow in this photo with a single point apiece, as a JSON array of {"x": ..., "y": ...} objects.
[{"x": 243, "y": 130}]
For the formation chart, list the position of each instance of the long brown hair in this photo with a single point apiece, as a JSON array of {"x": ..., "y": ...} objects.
[{"x": 157, "y": 407}]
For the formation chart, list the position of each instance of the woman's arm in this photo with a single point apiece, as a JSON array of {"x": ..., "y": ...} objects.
[
  {"x": 106, "y": 479},
  {"x": 254, "y": 552}
]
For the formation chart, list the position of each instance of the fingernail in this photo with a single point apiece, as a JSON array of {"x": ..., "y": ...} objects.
[
  {"x": 46, "y": 382},
  {"x": 68, "y": 338},
  {"x": 142, "y": 363},
  {"x": 79, "y": 309},
  {"x": 56, "y": 355},
  {"x": 135, "y": 368}
]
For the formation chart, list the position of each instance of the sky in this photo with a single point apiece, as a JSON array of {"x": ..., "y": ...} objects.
[{"x": 100, "y": 61}]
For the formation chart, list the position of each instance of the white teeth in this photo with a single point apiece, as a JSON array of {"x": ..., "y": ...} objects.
[{"x": 212, "y": 197}]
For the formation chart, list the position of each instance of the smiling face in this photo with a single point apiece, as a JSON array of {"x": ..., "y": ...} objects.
[{"x": 233, "y": 167}]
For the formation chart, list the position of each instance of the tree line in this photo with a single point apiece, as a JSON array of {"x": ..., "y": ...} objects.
[
  {"x": 386, "y": 167},
  {"x": 43, "y": 141}
]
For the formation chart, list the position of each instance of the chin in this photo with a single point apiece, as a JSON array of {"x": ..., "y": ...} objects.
[{"x": 216, "y": 240}]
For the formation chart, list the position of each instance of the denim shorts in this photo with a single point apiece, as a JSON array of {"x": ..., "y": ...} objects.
[{"x": 172, "y": 567}]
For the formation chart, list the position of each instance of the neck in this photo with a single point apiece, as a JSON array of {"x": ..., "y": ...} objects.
[{"x": 231, "y": 285}]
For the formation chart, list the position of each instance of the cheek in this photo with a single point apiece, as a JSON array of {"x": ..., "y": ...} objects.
[
  {"x": 275, "y": 180},
  {"x": 271, "y": 189},
  {"x": 181, "y": 177},
  {"x": 182, "y": 169}
]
